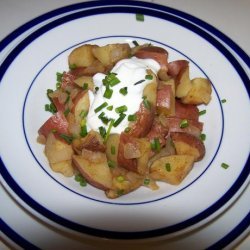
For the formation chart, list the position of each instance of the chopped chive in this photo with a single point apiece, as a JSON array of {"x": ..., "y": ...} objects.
[
  {"x": 109, "y": 130},
  {"x": 102, "y": 114},
  {"x": 112, "y": 149},
  {"x": 103, "y": 118},
  {"x": 146, "y": 182},
  {"x": 108, "y": 93},
  {"x": 202, "y": 112},
  {"x": 85, "y": 86},
  {"x": 155, "y": 145},
  {"x": 67, "y": 99},
  {"x": 132, "y": 117},
  {"x": 59, "y": 77},
  {"x": 135, "y": 43},
  {"x": 105, "y": 104},
  {"x": 110, "y": 80},
  {"x": 96, "y": 89},
  {"x": 67, "y": 138},
  {"x": 119, "y": 120},
  {"x": 203, "y": 137},
  {"x": 146, "y": 103},
  {"x": 184, "y": 123},
  {"x": 110, "y": 108},
  {"x": 168, "y": 167},
  {"x": 102, "y": 131},
  {"x": 223, "y": 100},
  {"x": 49, "y": 91},
  {"x": 121, "y": 109},
  {"x": 138, "y": 82},
  {"x": 127, "y": 129},
  {"x": 83, "y": 114},
  {"x": 139, "y": 17},
  {"x": 224, "y": 165},
  {"x": 51, "y": 108},
  {"x": 66, "y": 112},
  {"x": 58, "y": 85},
  {"x": 82, "y": 181},
  {"x": 72, "y": 66},
  {"x": 120, "y": 178},
  {"x": 120, "y": 192},
  {"x": 124, "y": 91},
  {"x": 148, "y": 77},
  {"x": 111, "y": 164},
  {"x": 83, "y": 131}
]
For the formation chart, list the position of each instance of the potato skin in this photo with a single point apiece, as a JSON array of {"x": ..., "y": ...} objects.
[{"x": 188, "y": 144}]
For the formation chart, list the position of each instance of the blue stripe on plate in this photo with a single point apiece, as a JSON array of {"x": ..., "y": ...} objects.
[
  {"x": 74, "y": 7},
  {"x": 128, "y": 235},
  {"x": 18, "y": 239}
]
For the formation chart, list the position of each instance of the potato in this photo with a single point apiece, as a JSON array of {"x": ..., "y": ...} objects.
[
  {"x": 175, "y": 67},
  {"x": 142, "y": 161},
  {"x": 56, "y": 150},
  {"x": 172, "y": 169},
  {"x": 183, "y": 83},
  {"x": 200, "y": 92},
  {"x": 112, "y": 146},
  {"x": 189, "y": 145},
  {"x": 80, "y": 104},
  {"x": 82, "y": 56},
  {"x": 97, "y": 173},
  {"x": 80, "y": 81},
  {"x": 63, "y": 167},
  {"x": 111, "y": 53}
]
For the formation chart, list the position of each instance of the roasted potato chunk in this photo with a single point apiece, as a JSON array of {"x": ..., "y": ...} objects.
[
  {"x": 172, "y": 169},
  {"x": 112, "y": 146},
  {"x": 183, "y": 83},
  {"x": 63, "y": 167},
  {"x": 82, "y": 56},
  {"x": 200, "y": 92}
]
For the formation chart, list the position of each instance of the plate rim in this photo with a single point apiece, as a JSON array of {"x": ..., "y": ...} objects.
[{"x": 9, "y": 59}]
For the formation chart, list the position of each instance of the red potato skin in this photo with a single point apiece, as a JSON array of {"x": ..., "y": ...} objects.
[
  {"x": 186, "y": 111},
  {"x": 68, "y": 80},
  {"x": 59, "y": 106},
  {"x": 77, "y": 99},
  {"x": 192, "y": 141},
  {"x": 175, "y": 67},
  {"x": 164, "y": 97},
  {"x": 129, "y": 164},
  {"x": 158, "y": 131},
  {"x": 158, "y": 54},
  {"x": 57, "y": 122},
  {"x": 143, "y": 123}
]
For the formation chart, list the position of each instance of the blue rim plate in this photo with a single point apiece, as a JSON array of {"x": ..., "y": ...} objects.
[{"x": 156, "y": 16}]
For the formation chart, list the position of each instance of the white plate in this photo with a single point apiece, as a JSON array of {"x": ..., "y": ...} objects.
[{"x": 28, "y": 113}]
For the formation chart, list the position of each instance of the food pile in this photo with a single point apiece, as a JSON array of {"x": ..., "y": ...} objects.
[{"x": 124, "y": 117}]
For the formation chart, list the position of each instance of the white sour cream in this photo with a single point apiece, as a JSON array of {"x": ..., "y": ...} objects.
[{"x": 129, "y": 72}]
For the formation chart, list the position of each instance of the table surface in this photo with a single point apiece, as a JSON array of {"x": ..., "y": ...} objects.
[{"x": 229, "y": 16}]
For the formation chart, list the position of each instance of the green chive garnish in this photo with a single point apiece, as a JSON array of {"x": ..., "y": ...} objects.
[
  {"x": 79, "y": 178},
  {"x": 223, "y": 100},
  {"x": 85, "y": 86},
  {"x": 102, "y": 131},
  {"x": 51, "y": 108},
  {"x": 110, "y": 80},
  {"x": 127, "y": 129},
  {"x": 124, "y": 91},
  {"x": 135, "y": 43},
  {"x": 224, "y": 165},
  {"x": 184, "y": 123},
  {"x": 59, "y": 77},
  {"x": 149, "y": 77},
  {"x": 109, "y": 130},
  {"x": 168, "y": 167},
  {"x": 66, "y": 112},
  {"x": 120, "y": 178},
  {"x": 112, "y": 150},
  {"x": 108, "y": 93},
  {"x": 96, "y": 89},
  {"x": 67, "y": 138},
  {"x": 146, "y": 181},
  {"x": 202, "y": 112},
  {"x": 139, "y": 17},
  {"x": 120, "y": 192},
  {"x": 83, "y": 114},
  {"x": 72, "y": 66},
  {"x": 83, "y": 131},
  {"x": 139, "y": 82},
  {"x": 110, "y": 108},
  {"x": 105, "y": 104},
  {"x": 203, "y": 137},
  {"x": 121, "y": 109},
  {"x": 119, "y": 120},
  {"x": 111, "y": 164},
  {"x": 155, "y": 145},
  {"x": 132, "y": 118},
  {"x": 146, "y": 103}
]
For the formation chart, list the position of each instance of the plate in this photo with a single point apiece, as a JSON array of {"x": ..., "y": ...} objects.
[{"x": 138, "y": 206}]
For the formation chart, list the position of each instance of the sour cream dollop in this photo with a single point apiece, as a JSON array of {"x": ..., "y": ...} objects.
[{"x": 129, "y": 72}]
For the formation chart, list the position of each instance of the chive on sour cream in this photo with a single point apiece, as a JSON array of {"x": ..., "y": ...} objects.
[{"x": 122, "y": 98}]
